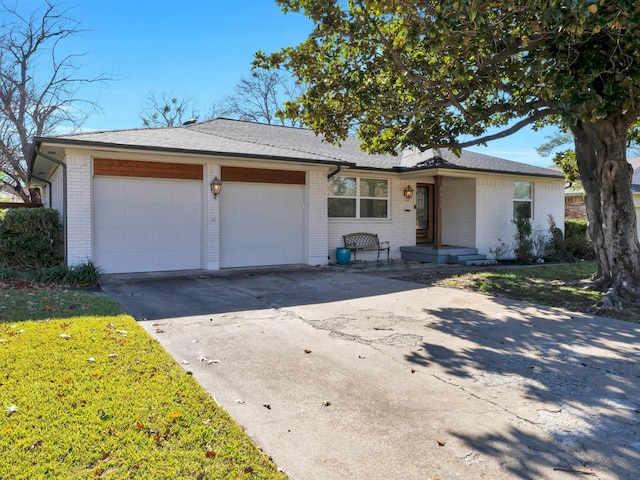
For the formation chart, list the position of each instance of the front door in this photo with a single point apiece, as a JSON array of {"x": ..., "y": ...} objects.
[{"x": 424, "y": 213}]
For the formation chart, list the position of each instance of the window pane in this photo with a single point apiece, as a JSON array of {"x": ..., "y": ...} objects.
[
  {"x": 373, "y": 188},
  {"x": 342, "y": 207},
  {"x": 373, "y": 209},
  {"x": 522, "y": 190},
  {"x": 521, "y": 209},
  {"x": 342, "y": 187}
]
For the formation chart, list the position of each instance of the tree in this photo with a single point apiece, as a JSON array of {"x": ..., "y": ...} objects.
[
  {"x": 259, "y": 98},
  {"x": 563, "y": 159},
  {"x": 38, "y": 87},
  {"x": 167, "y": 110},
  {"x": 441, "y": 74}
]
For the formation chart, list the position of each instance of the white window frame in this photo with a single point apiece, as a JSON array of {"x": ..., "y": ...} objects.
[
  {"x": 523, "y": 200},
  {"x": 357, "y": 197}
]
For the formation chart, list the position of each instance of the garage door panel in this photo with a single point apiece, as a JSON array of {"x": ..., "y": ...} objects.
[
  {"x": 149, "y": 225},
  {"x": 261, "y": 224}
]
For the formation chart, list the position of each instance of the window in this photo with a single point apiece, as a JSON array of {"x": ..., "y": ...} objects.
[
  {"x": 352, "y": 197},
  {"x": 522, "y": 199}
]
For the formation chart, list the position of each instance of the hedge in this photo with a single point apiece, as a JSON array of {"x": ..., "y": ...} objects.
[{"x": 30, "y": 238}]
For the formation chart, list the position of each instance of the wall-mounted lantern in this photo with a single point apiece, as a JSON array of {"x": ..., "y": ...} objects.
[
  {"x": 408, "y": 192},
  {"x": 216, "y": 186}
]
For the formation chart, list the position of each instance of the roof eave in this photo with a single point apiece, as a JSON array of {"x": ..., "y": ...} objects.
[{"x": 152, "y": 148}]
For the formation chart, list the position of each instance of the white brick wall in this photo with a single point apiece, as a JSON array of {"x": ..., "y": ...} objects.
[
  {"x": 316, "y": 218},
  {"x": 399, "y": 229},
  {"x": 494, "y": 212},
  {"x": 212, "y": 219},
  {"x": 494, "y": 199},
  {"x": 458, "y": 206},
  {"x": 79, "y": 227},
  {"x": 548, "y": 199}
]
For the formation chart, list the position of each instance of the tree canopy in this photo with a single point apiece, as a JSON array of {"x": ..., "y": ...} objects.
[
  {"x": 442, "y": 73},
  {"x": 431, "y": 74}
]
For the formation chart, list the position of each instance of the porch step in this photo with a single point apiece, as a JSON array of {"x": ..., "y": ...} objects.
[{"x": 449, "y": 254}]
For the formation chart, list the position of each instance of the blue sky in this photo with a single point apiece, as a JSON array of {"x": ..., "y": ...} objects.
[{"x": 198, "y": 49}]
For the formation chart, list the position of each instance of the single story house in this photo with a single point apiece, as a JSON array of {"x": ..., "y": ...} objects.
[{"x": 227, "y": 193}]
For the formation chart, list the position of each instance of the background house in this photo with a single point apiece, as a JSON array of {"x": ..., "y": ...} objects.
[
  {"x": 574, "y": 205},
  {"x": 141, "y": 200}
]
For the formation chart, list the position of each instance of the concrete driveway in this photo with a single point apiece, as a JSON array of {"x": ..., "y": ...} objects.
[{"x": 351, "y": 376}]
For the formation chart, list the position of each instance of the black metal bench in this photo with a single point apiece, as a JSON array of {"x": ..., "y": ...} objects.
[{"x": 360, "y": 241}]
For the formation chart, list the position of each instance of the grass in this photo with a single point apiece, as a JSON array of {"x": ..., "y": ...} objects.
[
  {"x": 562, "y": 285},
  {"x": 85, "y": 392}
]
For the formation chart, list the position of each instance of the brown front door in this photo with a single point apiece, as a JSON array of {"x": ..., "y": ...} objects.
[{"x": 424, "y": 213}]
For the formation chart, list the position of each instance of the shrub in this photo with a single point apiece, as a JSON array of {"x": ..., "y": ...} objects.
[
  {"x": 523, "y": 243},
  {"x": 6, "y": 274},
  {"x": 500, "y": 251},
  {"x": 577, "y": 243},
  {"x": 86, "y": 273},
  {"x": 557, "y": 246},
  {"x": 30, "y": 238}
]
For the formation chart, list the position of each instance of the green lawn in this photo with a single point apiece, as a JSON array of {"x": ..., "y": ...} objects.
[
  {"x": 85, "y": 392},
  {"x": 559, "y": 285}
]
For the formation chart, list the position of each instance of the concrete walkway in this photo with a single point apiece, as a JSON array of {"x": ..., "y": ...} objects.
[{"x": 339, "y": 375}]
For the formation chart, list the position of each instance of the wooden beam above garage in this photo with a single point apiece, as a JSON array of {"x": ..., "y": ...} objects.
[
  {"x": 262, "y": 175},
  {"x": 131, "y": 168}
]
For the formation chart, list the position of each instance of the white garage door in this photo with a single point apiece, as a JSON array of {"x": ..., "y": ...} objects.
[
  {"x": 147, "y": 225},
  {"x": 261, "y": 224}
]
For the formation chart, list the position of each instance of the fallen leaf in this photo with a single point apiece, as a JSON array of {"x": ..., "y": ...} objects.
[
  {"x": 68, "y": 380},
  {"x": 36, "y": 444},
  {"x": 441, "y": 443},
  {"x": 49, "y": 308},
  {"x": 211, "y": 454},
  {"x": 139, "y": 425},
  {"x": 248, "y": 470}
]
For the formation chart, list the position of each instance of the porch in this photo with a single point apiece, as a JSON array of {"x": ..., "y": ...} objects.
[{"x": 446, "y": 254}]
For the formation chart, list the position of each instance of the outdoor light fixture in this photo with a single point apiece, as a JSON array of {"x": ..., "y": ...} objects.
[
  {"x": 215, "y": 185},
  {"x": 408, "y": 192}
]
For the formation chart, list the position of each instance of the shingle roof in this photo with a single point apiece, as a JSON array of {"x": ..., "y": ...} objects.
[{"x": 239, "y": 138}]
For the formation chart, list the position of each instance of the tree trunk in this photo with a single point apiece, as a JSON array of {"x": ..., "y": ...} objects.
[{"x": 606, "y": 177}]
